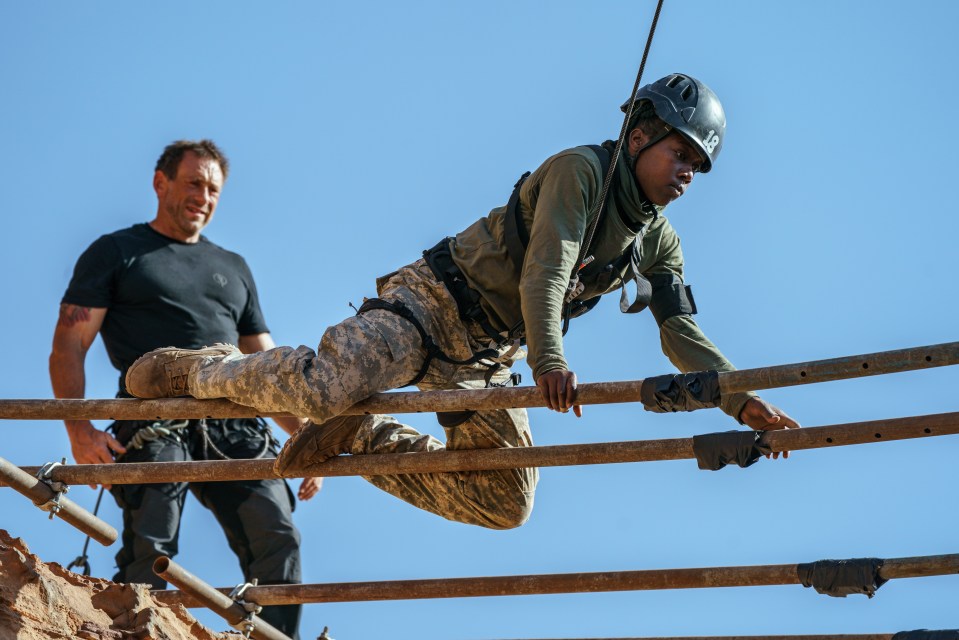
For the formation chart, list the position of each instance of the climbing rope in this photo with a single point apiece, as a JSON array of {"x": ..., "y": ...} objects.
[
  {"x": 82, "y": 561},
  {"x": 584, "y": 257},
  {"x": 156, "y": 431}
]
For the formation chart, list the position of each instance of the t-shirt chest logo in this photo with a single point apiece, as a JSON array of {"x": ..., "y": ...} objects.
[{"x": 220, "y": 279}]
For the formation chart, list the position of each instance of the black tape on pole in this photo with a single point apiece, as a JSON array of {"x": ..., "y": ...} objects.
[
  {"x": 715, "y": 450},
  {"x": 840, "y": 578},
  {"x": 681, "y": 392}
]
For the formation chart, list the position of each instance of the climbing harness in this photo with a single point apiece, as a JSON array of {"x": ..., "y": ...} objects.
[
  {"x": 439, "y": 259},
  {"x": 516, "y": 233},
  {"x": 141, "y": 436},
  {"x": 248, "y": 624},
  {"x": 208, "y": 445},
  {"x": 59, "y": 488},
  {"x": 665, "y": 294},
  {"x": 155, "y": 430},
  {"x": 449, "y": 419},
  {"x": 516, "y": 237},
  {"x": 432, "y": 349}
]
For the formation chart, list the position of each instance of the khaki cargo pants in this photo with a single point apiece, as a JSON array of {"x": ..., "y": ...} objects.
[{"x": 378, "y": 351}]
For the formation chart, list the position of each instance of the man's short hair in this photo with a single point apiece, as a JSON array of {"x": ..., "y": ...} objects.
[{"x": 170, "y": 159}]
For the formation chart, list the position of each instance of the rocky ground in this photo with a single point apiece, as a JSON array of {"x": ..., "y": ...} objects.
[{"x": 41, "y": 600}]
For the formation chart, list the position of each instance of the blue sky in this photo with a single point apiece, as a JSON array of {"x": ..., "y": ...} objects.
[{"x": 361, "y": 133}]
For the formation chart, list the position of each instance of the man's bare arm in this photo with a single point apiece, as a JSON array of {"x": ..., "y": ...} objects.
[
  {"x": 262, "y": 342},
  {"x": 76, "y": 329}
]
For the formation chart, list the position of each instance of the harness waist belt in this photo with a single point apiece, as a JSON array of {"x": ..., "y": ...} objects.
[{"x": 440, "y": 260}]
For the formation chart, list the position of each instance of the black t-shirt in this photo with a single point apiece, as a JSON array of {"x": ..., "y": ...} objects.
[{"x": 159, "y": 292}]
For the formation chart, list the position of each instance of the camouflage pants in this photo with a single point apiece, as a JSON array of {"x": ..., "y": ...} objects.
[{"x": 377, "y": 351}]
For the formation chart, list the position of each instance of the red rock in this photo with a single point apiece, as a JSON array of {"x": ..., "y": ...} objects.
[{"x": 43, "y": 601}]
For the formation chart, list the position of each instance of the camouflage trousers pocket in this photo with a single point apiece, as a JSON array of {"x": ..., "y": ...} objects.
[
  {"x": 401, "y": 338},
  {"x": 289, "y": 360}
]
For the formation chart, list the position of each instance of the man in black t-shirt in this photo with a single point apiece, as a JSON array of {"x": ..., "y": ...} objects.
[{"x": 157, "y": 284}]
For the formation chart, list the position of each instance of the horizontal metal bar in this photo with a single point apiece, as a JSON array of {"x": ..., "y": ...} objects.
[
  {"x": 712, "y": 577},
  {"x": 68, "y": 511},
  {"x": 497, "y": 398},
  {"x": 831, "y": 636},
  {"x": 477, "y": 459}
]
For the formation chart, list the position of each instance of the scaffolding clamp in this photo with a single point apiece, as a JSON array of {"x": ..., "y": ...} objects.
[
  {"x": 59, "y": 488},
  {"x": 252, "y": 609}
]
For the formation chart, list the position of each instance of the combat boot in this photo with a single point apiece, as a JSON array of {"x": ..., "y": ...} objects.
[
  {"x": 166, "y": 372},
  {"x": 316, "y": 443}
]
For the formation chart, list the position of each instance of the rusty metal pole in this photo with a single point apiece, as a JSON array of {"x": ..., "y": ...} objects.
[
  {"x": 472, "y": 460},
  {"x": 831, "y": 636},
  {"x": 218, "y": 603},
  {"x": 513, "y": 397},
  {"x": 712, "y": 577},
  {"x": 64, "y": 508}
]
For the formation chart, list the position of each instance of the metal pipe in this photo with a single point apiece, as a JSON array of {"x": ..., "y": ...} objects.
[
  {"x": 478, "y": 459},
  {"x": 499, "y": 398},
  {"x": 67, "y": 510},
  {"x": 712, "y": 577},
  {"x": 206, "y": 596},
  {"x": 831, "y": 636}
]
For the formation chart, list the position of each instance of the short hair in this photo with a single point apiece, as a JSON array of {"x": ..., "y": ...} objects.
[
  {"x": 169, "y": 161},
  {"x": 645, "y": 119}
]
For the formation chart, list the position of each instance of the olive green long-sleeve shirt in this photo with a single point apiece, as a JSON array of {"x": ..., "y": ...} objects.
[{"x": 555, "y": 202}]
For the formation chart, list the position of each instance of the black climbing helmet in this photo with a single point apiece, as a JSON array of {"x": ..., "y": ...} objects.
[{"x": 690, "y": 107}]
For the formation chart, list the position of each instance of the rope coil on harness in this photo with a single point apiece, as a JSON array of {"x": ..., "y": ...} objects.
[
  {"x": 248, "y": 624},
  {"x": 172, "y": 428},
  {"x": 156, "y": 431},
  {"x": 59, "y": 488}
]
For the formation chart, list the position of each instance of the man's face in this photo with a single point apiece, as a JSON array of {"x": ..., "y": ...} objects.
[
  {"x": 666, "y": 169},
  {"x": 187, "y": 203}
]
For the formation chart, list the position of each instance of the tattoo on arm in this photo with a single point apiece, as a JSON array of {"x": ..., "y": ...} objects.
[{"x": 71, "y": 314}]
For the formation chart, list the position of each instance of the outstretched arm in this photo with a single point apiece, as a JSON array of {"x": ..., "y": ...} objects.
[
  {"x": 262, "y": 342},
  {"x": 76, "y": 329},
  {"x": 685, "y": 344},
  {"x": 690, "y": 350}
]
